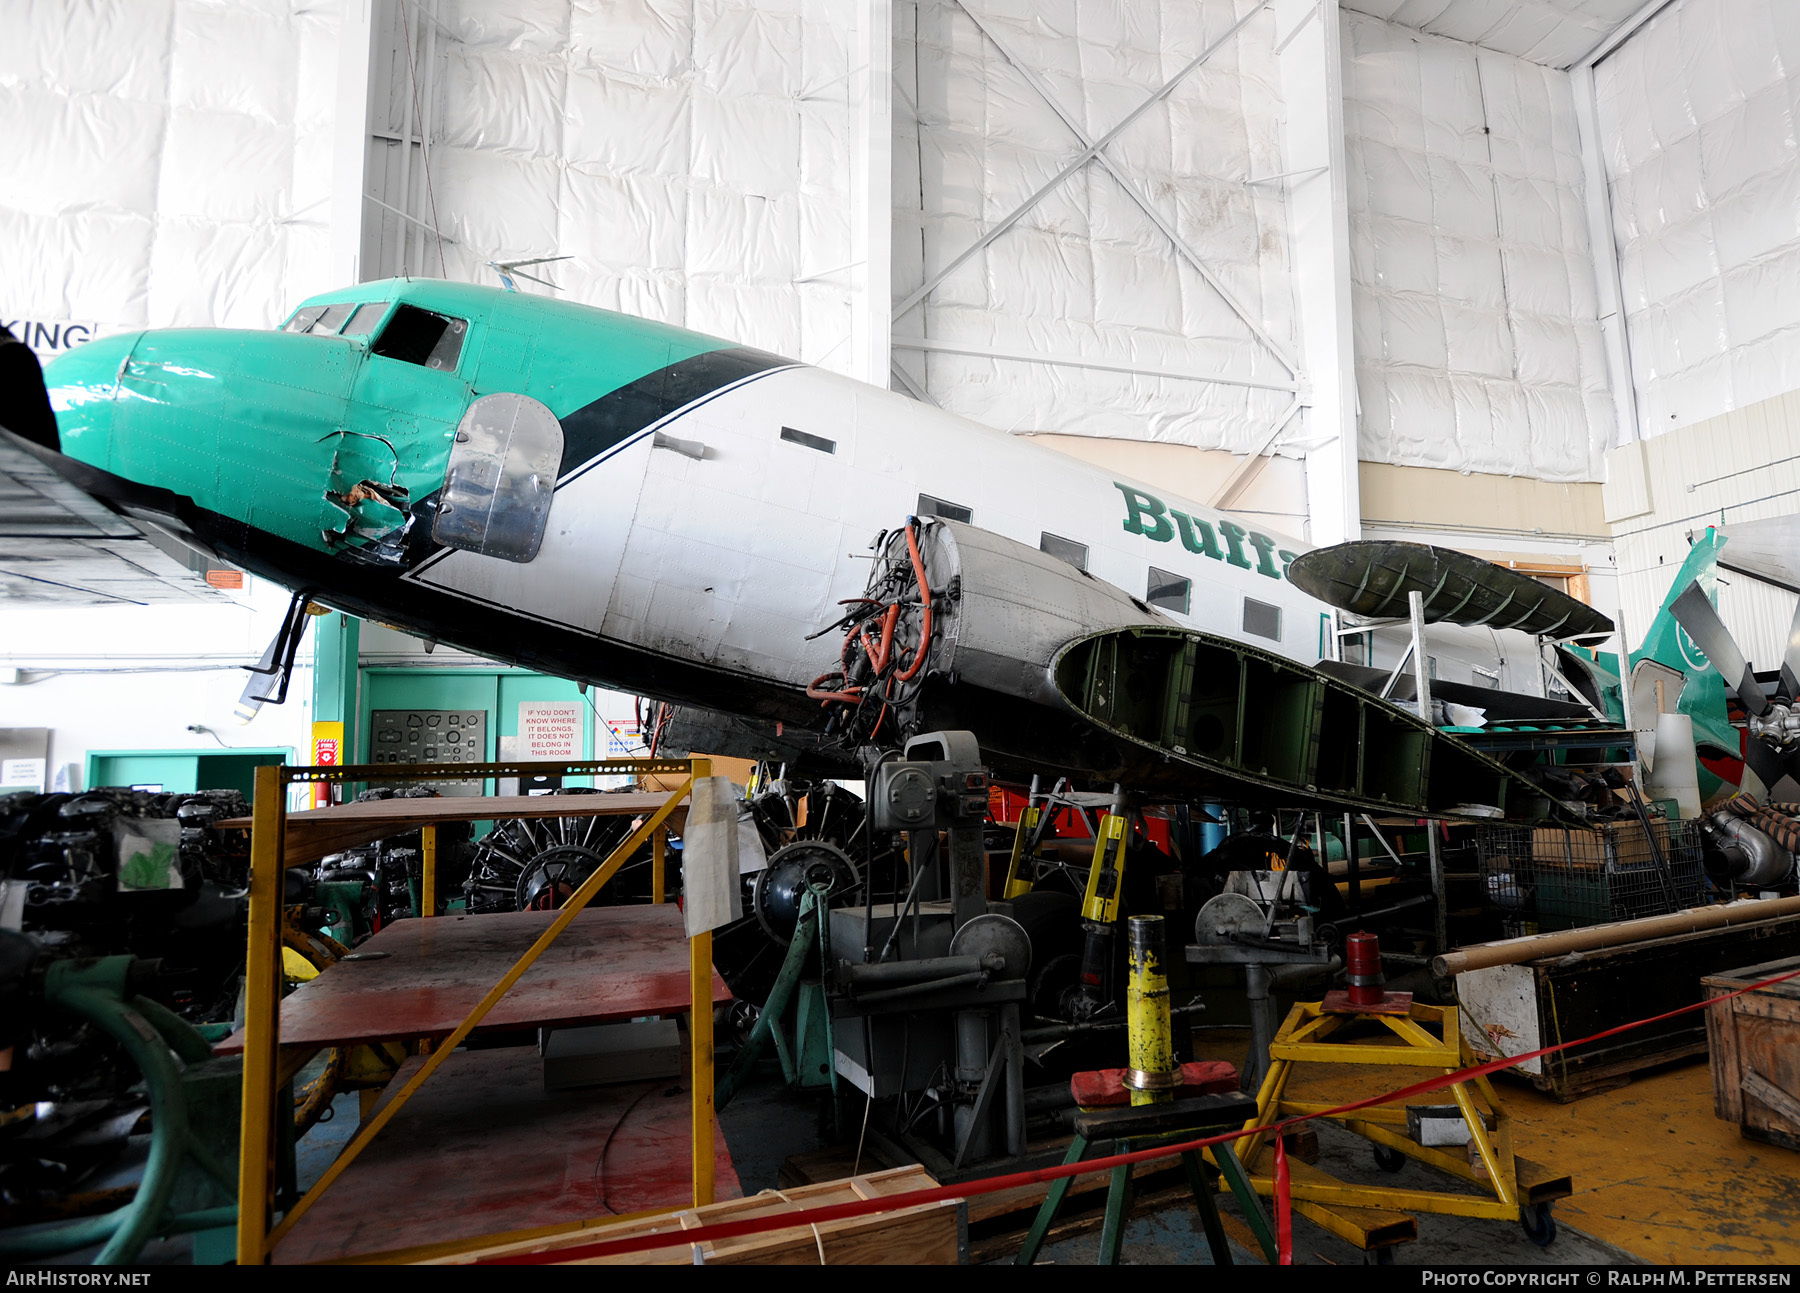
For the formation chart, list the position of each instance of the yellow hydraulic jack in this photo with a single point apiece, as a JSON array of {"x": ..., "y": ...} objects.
[
  {"x": 1155, "y": 1117},
  {"x": 1514, "y": 1189}
]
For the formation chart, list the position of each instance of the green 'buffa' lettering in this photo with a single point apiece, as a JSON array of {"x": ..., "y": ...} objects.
[
  {"x": 1264, "y": 545},
  {"x": 1234, "y": 536},
  {"x": 1205, "y": 543},
  {"x": 1149, "y": 516},
  {"x": 1145, "y": 515}
]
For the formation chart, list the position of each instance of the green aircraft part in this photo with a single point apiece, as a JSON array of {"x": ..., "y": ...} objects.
[
  {"x": 1703, "y": 697},
  {"x": 324, "y": 439}
]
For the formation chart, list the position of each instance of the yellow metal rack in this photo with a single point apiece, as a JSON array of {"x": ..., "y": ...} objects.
[
  {"x": 1422, "y": 1037},
  {"x": 265, "y": 1071}
]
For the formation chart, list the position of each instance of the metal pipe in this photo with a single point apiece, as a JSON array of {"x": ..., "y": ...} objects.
[
  {"x": 921, "y": 989},
  {"x": 1512, "y": 951},
  {"x": 1150, "y": 1044},
  {"x": 773, "y": 1008},
  {"x": 894, "y": 973},
  {"x": 1015, "y": 1078},
  {"x": 1058, "y": 1032}
]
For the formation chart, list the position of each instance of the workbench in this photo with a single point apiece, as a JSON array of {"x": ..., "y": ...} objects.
[
  {"x": 313, "y": 833},
  {"x": 484, "y": 1149},
  {"x": 442, "y": 979},
  {"x": 421, "y": 978}
]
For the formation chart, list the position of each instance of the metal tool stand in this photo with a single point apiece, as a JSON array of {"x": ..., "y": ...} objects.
[
  {"x": 1232, "y": 929},
  {"x": 1132, "y": 1129},
  {"x": 1155, "y": 1118},
  {"x": 268, "y": 1068},
  {"x": 1427, "y": 1037}
]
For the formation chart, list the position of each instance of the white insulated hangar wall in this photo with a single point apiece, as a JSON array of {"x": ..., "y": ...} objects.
[{"x": 703, "y": 162}]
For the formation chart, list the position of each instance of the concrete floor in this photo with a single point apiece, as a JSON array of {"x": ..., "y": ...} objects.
[
  {"x": 1657, "y": 1179},
  {"x": 1174, "y": 1236},
  {"x": 766, "y": 1123}
]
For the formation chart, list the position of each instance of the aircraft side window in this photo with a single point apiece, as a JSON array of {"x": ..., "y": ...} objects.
[
  {"x": 1261, "y": 619},
  {"x": 502, "y": 473},
  {"x": 1076, "y": 554},
  {"x": 1169, "y": 592},
  {"x": 818, "y": 442},
  {"x": 363, "y": 322},
  {"x": 929, "y": 506},
  {"x": 416, "y": 336}
]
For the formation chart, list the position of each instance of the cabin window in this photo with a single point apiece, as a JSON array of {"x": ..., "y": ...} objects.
[
  {"x": 929, "y": 506},
  {"x": 801, "y": 438},
  {"x": 1064, "y": 549},
  {"x": 416, "y": 336},
  {"x": 503, "y": 465},
  {"x": 1261, "y": 619},
  {"x": 1169, "y": 592},
  {"x": 363, "y": 322}
]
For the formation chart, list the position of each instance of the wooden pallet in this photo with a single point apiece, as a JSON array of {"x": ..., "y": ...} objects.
[
  {"x": 924, "y": 1235},
  {"x": 995, "y": 1224}
]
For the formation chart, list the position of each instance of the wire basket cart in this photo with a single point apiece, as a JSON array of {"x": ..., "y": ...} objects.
[{"x": 1556, "y": 877}]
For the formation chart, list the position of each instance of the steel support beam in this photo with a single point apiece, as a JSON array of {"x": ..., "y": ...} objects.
[
  {"x": 350, "y": 140},
  {"x": 1070, "y": 361},
  {"x": 872, "y": 229},
  {"x": 1281, "y": 351},
  {"x": 1081, "y": 159},
  {"x": 1312, "y": 75}
]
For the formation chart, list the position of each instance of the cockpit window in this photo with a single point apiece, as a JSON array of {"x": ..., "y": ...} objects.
[
  {"x": 416, "y": 336},
  {"x": 502, "y": 473},
  {"x": 304, "y": 318},
  {"x": 327, "y": 320},
  {"x": 330, "y": 321},
  {"x": 363, "y": 322}
]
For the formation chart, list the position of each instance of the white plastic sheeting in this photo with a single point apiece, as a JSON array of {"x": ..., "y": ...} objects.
[
  {"x": 1698, "y": 122},
  {"x": 165, "y": 162},
  {"x": 1553, "y": 32},
  {"x": 1477, "y": 343},
  {"x": 691, "y": 156},
  {"x": 1086, "y": 274}
]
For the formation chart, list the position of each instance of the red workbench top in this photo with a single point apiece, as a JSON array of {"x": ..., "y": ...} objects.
[
  {"x": 610, "y": 964},
  {"x": 484, "y": 1149}
]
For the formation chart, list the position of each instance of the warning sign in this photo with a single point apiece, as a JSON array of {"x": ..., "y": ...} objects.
[{"x": 550, "y": 729}]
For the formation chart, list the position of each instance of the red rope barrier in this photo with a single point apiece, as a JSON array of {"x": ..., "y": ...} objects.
[
  {"x": 994, "y": 1184},
  {"x": 1284, "y": 1208}
]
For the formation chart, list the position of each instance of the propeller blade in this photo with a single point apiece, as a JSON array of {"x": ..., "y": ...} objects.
[
  {"x": 251, "y": 702},
  {"x": 1790, "y": 664},
  {"x": 1697, "y": 617}
]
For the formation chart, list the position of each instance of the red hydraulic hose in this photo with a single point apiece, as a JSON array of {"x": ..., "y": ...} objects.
[{"x": 918, "y": 565}]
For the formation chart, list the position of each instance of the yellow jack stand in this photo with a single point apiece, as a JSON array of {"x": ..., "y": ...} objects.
[{"x": 1516, "y": 1189}]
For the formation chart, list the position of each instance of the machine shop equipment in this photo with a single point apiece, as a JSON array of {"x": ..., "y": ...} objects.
[
  {"x": 1263, "y": 922},
  {"x": 188, "y": 1099},
  {"x": 925, "y": 989}
]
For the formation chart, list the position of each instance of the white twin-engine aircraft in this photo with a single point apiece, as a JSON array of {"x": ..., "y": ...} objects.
[{"x": 630, "y": 504}]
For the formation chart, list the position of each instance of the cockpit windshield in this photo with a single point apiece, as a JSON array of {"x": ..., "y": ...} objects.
[{"x": 345, "y": 318}]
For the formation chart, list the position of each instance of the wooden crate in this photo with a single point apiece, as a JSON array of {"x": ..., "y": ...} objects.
[
  {"x": 925, "y": 1235},
  {"x": 1755, "y": 1041},
  {"x": 1513, "y": 1009}
]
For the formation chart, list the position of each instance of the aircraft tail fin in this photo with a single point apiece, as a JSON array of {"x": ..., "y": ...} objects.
[
  {"x": 1702, "y": 696},
  {"x": 1665, "y": 641}
]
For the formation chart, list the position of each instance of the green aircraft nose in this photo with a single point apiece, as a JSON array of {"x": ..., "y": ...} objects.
[{"x": 82, "y": 383}]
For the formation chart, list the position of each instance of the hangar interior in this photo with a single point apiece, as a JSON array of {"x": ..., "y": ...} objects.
[{"x": 1350, "y": 449}]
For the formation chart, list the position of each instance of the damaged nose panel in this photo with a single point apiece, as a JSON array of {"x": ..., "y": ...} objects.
[{"x": 364, "y": 501}]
